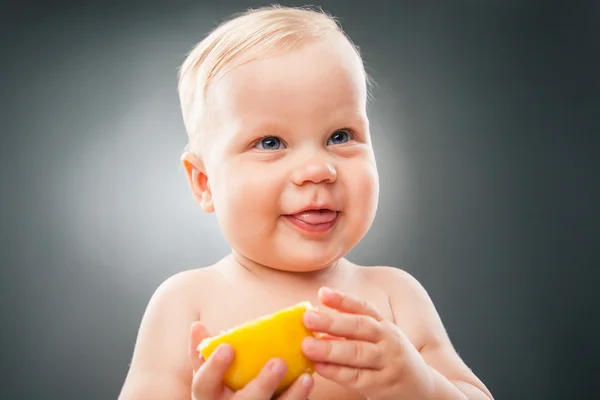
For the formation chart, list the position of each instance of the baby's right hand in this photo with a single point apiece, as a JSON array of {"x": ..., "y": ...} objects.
[{"x": 208, "y": 376}]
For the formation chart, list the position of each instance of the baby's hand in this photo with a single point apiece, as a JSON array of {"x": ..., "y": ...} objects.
[
  {"x": 208, "y": 376},
  {"x": 362, "y": 351}
]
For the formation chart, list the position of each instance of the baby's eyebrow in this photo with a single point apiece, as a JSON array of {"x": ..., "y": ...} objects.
[
  {"x": 358, "y": 119},
  {"x": 263, "y": 127},
  {"x": 344, "y": 119}
]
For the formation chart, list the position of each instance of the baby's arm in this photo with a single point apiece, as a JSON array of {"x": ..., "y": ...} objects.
[
  {"x": 448, "y": 370},
  {"x": 161, "y": 367}
]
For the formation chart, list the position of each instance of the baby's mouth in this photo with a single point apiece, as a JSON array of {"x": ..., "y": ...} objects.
[{"x": 315, "y": 217}]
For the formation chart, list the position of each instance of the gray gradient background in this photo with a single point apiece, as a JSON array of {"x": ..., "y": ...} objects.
[{"x": 485, "y": 124}]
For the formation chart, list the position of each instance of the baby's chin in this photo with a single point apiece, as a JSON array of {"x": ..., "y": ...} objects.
[
  {"x": 304, "y": 265},
  {"x": 300, "y": 262},
  {"x": 302, "y": 268}
]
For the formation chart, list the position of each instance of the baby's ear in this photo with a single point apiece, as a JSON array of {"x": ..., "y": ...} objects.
[{"x": 198, "y": 181}]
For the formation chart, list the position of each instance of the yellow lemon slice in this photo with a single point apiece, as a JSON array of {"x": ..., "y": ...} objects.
[{"x": 277, "y": 335}]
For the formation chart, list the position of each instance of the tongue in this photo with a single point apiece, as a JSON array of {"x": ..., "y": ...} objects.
[{"x": 315, "y": 217}]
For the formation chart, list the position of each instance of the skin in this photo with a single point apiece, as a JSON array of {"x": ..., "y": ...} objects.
[{"x": 291, "y": 132}]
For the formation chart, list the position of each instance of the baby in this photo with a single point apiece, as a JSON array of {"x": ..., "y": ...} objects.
[{"x": 275, "y": 105}]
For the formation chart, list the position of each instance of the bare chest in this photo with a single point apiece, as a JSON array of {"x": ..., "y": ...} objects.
[{"x": 232, "y": 304}]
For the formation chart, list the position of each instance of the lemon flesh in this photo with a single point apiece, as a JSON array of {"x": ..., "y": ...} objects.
[{"x": 277, "y": 335}]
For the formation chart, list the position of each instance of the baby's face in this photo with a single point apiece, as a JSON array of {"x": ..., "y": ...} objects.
[{"x": 291, "y": 167}]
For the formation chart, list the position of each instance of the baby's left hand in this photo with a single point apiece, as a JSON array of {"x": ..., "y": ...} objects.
[{"x": 364, "y": 352}]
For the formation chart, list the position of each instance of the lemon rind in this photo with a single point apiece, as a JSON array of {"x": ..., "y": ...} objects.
[{"x": 256, "y": 321}]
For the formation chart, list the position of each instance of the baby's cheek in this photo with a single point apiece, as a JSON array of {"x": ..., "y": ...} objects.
[
  {"x": 365, "y": 181},
  {"x": 253, "y": 198},
  {"x": 364, "y": 197}
]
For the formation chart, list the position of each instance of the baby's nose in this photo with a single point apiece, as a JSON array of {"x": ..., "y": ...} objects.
[{"x": 315, "y": 172}]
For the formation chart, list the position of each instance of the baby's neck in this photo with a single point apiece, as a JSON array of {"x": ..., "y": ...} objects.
[{"x": 329, "y": 275}]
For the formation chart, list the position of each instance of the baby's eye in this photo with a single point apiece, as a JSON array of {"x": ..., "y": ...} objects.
[
  {"x": 339, "y": 137},
  {"x": 269, "y": 143}
]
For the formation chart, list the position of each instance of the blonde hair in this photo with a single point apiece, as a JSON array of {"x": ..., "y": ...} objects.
[{"x": 252, "y": 35}]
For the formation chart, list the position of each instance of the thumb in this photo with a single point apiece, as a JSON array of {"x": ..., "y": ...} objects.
[{"x": 197, "y": 333}]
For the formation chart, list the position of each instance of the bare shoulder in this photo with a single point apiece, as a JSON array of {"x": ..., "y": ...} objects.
[
  {"x": 186, "y": 283},
  {"x": 184, "y": 291},
  {"x": 418, "y": 318},
  {"x": 160, "y": 365},
  {"x": 403, "y": 289},
  {"x": 392, "y": 278}
]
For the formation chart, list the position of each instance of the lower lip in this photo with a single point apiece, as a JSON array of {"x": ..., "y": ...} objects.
[{"x": 312, "y": 228}]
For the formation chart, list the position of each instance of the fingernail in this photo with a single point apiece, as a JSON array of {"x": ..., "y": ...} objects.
[
  {"x": 311, "y": 343},
  {"x": 305, "y": 380},
  {"x": 276, "y": 366},
  {"x": 223, "y": 352},
  {"x": 327, "y": 291},
  {"x": 312, "y": 317}
]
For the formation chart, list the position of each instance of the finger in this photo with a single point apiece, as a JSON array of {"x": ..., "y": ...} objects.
[
  {"x": 197, "y": 333},
  {"x": 264, "y": 385},
  {"x": 349, "y": 326},
  {"x": 208, "y": 381},
  {"x": 326, "y": 336},
  {"x": 300, "y": 389},
  {"x": 351, "y": 353},
  {"x": 353, "y": 378},
  {"x": 348, "y": 303}
]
